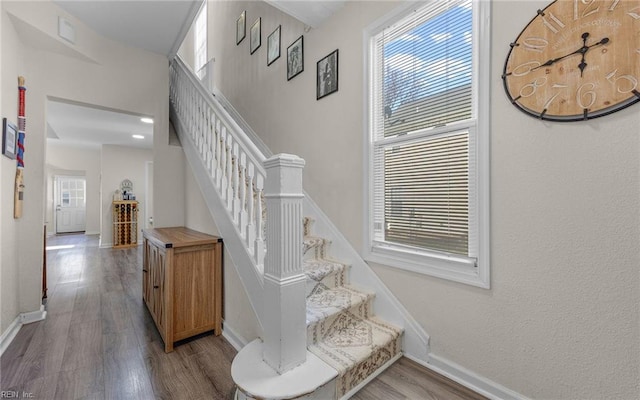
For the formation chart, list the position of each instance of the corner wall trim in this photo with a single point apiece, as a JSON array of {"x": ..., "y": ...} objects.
[
  {"x": 22, "y": 319},
  {"x": 33, "y": 316},
  {"x": 234, "y": 339},
  {"x": 468, "y": 378}
]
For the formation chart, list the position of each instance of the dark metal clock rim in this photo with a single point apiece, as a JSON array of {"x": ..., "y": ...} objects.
[{"x": 573, "y": 118}]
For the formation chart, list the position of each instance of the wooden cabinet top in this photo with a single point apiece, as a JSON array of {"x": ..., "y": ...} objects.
[{"x": 178, "y": 237}]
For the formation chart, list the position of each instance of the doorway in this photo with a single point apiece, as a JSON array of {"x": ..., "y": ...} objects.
[{"x": 71, "y": 204}]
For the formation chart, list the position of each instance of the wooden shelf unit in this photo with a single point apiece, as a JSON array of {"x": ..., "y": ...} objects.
[
  {"x": 182, "y": 282},
  {"x": 125, "y": 223}
]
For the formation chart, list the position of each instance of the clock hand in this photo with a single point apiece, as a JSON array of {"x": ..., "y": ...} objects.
[
  {"x": 586, "y": 48},
  {"x": 582, "y": 50}
]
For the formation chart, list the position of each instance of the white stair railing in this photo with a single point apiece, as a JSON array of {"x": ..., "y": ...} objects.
[
  {"x": 229, "y": 167},
  {"x": 234, "y": 163}
]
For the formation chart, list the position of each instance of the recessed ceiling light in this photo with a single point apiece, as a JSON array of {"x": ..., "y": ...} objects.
[
  {"x": 147, "y": 120},
  {"x": 137, "y": 136}
]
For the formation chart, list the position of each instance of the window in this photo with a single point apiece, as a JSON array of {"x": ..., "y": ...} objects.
[
  {"x": 200, "y": 44},
  {"x": 427, "y": 147}
]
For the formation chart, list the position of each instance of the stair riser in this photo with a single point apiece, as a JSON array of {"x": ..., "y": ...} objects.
[
  {"x": 306, "y": 226},
  {"x": 333, "y": 280},
  {"x": 318, "y": 330},
  {"x": 315, "y": 248},
  {"x": 353, "y": 376}
]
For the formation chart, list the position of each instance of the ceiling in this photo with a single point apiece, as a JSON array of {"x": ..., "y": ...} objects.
[
  {"x": 84, "y": 125},
  {"x": 157, "y": 26}
]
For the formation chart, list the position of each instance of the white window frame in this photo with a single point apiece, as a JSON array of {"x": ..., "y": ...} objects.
[
  {"x": 475, "y": 272},
  {"x": 200, "y": 69}
]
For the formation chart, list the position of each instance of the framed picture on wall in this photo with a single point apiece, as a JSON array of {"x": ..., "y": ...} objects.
[
  {"x": 273, "y": 46},
  {"x": 241, "y": 27},
  {"x": 9, "y": 139},
  {"x": 327, "y": 75},
  {"x": 295, "y": 58},
  {"x": 256, "y": 35}
]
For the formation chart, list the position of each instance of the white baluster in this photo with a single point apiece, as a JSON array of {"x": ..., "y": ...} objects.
[
  {"x": 211, "y": 137},
  {"x": 229, "y": 172},
  {"x": 223, "y": 165},
  {"x": 259, "y": 249},
  {"x": 250, "y": 234},
  {"x": 235, "y": 205},
  {"x": 242, "y": 195},
  {"x": 218, "y": 154}
]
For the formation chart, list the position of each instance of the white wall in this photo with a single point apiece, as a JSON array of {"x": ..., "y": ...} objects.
[
  {"x": 9, "y": 267},
  {"x": 561, "y": 319},
  {"x": 67, "y": 159},
  {"x": 238, "y": 314},
  {"x": 117, "y": 164},
  {"x": 94, "y": 71}
]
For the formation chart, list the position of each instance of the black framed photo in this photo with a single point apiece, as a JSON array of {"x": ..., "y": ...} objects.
[
  {"x": 255, "y": 38},
  {"x": 327, "y": 75},
  {"x": 273, "y": 46},
  {"x": 241, "y": 27},
  {"x": 295, "y": 58},
  {"x": 9, "y": 138}
]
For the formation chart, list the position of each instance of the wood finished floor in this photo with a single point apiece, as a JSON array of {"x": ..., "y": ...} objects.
[{"x": 99, "y": 342}]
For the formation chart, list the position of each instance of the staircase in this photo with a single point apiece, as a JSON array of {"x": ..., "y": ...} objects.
[
  {"x": 341, "y": 328},
  {"x": 293, "y": 283}
]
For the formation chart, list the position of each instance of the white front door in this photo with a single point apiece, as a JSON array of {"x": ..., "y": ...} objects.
[{"x": 70, "y": 204}]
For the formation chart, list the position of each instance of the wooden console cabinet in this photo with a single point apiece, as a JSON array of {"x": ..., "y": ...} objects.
[{"x": 182, "y": 282}]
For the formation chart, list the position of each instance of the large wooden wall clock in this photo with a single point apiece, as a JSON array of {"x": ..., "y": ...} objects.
[{"x": 576, "y": 59}]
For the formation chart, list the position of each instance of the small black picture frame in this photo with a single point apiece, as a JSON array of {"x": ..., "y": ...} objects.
[
  {"x": 295, "y": 58},
  {"x": 255, "y": 38},
  {"x": 273, "y": 46},
  {"x": 9, "y": 139},
  {"x": 327, "y": 75},
  {"x": 241, "y": 27}
]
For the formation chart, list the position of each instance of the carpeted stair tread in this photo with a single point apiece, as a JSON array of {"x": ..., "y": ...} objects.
[
  {"x": 318, "y": 268},
  {"x": 357, "y": 347},
  {"x": 327, "y": 303}
]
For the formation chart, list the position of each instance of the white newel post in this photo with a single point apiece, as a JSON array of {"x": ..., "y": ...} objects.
[{"x": 284, "y": 306}]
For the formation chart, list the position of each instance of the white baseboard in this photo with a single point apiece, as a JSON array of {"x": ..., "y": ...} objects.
[
  {"x": 8, "y": 335},
  {"x": 22, "y": 319},
  {"x": 91, "y": 233},
  {"x": 236, "y": 340},
  {"x": 468, "y": 378},
  {"x": 105, "y": 245}
]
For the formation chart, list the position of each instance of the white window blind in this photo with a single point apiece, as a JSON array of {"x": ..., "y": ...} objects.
[{"x": 423, "y": 114}]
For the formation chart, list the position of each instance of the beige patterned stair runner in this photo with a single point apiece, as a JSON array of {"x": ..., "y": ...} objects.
[{"x": 341, "y": 328}]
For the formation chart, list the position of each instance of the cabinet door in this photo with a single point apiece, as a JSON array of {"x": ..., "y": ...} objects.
[
  {"x": 158, "y": 280},
  {"x": 147, "y": 259},
  {"x": 194, "y": 294}
]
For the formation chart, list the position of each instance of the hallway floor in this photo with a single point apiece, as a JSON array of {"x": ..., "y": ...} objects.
[{"x": 99, "y": 342}]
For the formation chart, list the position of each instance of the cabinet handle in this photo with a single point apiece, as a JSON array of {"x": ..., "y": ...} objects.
[
  {"x": 145, "y": 270},
  {"x": 155, "y": 287}
]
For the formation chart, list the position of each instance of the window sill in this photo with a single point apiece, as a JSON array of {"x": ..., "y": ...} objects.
[{"x": 452, "y": 269}]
